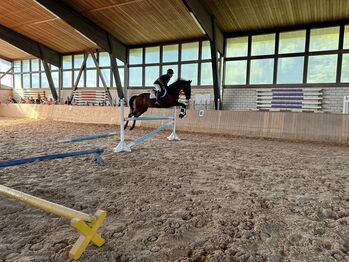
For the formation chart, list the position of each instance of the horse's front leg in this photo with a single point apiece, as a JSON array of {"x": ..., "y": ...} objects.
[{"x": 183, "y": 110}]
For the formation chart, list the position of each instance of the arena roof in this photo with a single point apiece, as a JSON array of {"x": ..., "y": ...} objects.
[{"x": 138, "y": 22}]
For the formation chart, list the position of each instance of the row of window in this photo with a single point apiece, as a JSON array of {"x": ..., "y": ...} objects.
[
  {"x": 188, "y": 60},
  {"x": 30, "y": 73},
  {"x": 258, "y": 59},
  {"x": 319, "y": 55}
]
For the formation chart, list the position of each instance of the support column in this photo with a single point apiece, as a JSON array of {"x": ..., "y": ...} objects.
[
  {"x": 215, "y": 69},
  {"x": 50, "y": 81},
  {"x": 82, "y": 67},
  {"x": 99, "y": 73}
]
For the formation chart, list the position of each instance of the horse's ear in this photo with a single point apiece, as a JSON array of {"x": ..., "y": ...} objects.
[{"x": 190, "y": 81}]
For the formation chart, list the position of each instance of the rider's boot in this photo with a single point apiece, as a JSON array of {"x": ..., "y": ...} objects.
[{"x": 157, "y": 95}]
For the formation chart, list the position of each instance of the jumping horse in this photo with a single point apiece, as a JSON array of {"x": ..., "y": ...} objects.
[{"x": 140, "y": 103}]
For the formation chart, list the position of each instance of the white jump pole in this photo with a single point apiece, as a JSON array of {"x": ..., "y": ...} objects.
[
  {"x": 173, "y": 136},
  {"x": 122, "y": 146}
]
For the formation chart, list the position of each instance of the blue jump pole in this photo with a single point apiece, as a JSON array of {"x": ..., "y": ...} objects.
[
  {"x": 97, "y": 157},
  {"x": 150, "y": 118},
  {"x": 82, "y": 138},
  {"x": 141, "y": 139}
]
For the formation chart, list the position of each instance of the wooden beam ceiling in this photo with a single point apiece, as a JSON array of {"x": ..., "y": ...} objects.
[
  {"x": 86, "y": 27},
  {"x": 30, "y": 19},
  {"x": 252, "y": 15},
  {"x": 30, "y": 46},
  {"x": 10, "y": 52},
  {"x": 141, "y": 21}
]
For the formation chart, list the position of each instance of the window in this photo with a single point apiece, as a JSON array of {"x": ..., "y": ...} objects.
[
  {"x": 82, "y": 78},
  {"x": 78, "y": 59},
  {"x": 174, "y": 68},
  {"x": 152, "y": 55},
  {"x": 35, "y": 80},
  {"x": 26, "y": 66},
  {"x": 206, "y": 74},
  {"x": 104, "y": 59},
  {"x": 262, "y": 71},
  {"x": 67, "y": 79},
  {"x": 67, "y": 62},
  {"x": 135, "y": 76},
  {"x": 35, "y": 65},
  {"x": 237, "y": 47},
  {"x": 292, "y": 42},
  {"x": 235, "y": 72},
  {"x": 26, "y": 81},
  {"x": 206, "y": 50},
  {"x": 346, "y": 37},
  {"x": 324, "y": 39},
  {"x": 136, "y": 56},
  {"x": 44, "y": 81},
  {"x": 151, "y": 74},
  {"x": 90, "y": 63},
  {"x": 106, "y": 76},
  {"x": 263, "y": 44},
  {"x": 18, "y": 81},
  {"x": 17, "y": 66},
  {"x": 322, "y": 69},
  {"x": 4, "y": 65},
  {"x": 91, "y": 78},
  {"x": 345, "y": 69},
  {"x": 170, "y": 53},
  {"x": 290, "y": 70},
  {"x": 190, "y": 72},
  {"x": 190, "y": 51},
  {"x": 122, "y": 80}
]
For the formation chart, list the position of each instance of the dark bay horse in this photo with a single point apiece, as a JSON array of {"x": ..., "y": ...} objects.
[{"x": 140, "y": 103}]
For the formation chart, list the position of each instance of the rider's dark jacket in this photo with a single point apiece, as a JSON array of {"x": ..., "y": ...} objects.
[{"x": 165, "y": 79}]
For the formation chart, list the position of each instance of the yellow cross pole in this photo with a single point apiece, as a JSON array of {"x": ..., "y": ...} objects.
[{"x": 87, "y": 234}]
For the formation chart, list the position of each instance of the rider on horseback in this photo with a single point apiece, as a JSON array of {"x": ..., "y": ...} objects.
[{"x": 160, "y": 84}]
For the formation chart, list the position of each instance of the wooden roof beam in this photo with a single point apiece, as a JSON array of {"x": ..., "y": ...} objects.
[
  {"x": 30, "y": 46},
  {"x": 206, "y": 22},
  {"x": 86, "y": 27}
]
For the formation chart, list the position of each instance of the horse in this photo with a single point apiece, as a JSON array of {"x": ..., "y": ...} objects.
[{"x": 140, "y": 103}]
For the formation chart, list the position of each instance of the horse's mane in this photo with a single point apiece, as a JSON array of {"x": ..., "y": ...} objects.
[{"x": 178, "y": 81}]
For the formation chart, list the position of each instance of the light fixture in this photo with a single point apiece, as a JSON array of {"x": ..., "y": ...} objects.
[{"x": 197, "y": 23}]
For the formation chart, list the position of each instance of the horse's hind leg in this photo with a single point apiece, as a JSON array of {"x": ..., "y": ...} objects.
[
  {"x": 129, "y": 115},
  {"x": 134, "y": 121}
]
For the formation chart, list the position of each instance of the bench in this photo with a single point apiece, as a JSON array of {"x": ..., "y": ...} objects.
[
  {"x": 290, "y": 99},
  {"x": 89, "y": 97},
  {"x": 34, "y": 94}
]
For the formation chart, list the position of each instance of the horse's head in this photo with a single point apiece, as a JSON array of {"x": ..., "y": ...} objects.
[
  {"x": 182, "y": 86},
  {"x": 187, "y": 89}
]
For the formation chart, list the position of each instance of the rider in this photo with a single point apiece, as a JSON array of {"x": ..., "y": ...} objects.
[{"x": 161, "y": 83}]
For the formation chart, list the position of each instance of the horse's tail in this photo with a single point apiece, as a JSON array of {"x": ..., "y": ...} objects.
[{"x": 132, "y": 108}]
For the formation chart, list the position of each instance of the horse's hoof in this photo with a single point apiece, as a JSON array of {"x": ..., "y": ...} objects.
[
  {"x": 131, "y": 128},
  {"x": 181, "y": 115}
]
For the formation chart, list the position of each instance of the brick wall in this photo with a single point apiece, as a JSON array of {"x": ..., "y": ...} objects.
[{"x": 240, "y": 99}]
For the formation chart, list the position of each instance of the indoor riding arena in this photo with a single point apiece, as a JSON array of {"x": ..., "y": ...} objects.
[{"x": 174, "y": 130}]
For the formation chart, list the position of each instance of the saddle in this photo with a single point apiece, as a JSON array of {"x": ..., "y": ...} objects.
[{"x": 162, "y": 94}]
